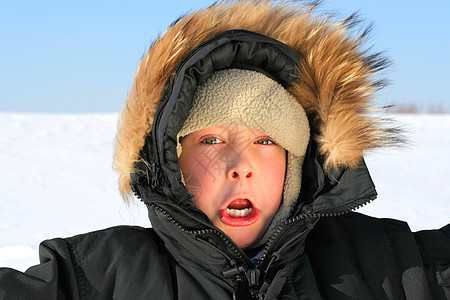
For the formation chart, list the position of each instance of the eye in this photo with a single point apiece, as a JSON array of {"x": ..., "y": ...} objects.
[
  {"x": 211, "y": 140},
  {"x": 265, "y": 141}
]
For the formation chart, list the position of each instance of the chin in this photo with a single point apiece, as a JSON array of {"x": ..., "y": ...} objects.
[{"x": 243, "y": 240}]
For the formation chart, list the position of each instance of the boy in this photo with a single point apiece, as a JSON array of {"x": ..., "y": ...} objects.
[{"x": 249, "y": 197}]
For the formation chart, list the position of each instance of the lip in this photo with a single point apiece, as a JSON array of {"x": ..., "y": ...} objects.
[
  {"x": 248, "y": 220},
  {"x": 241, "y": 221}
]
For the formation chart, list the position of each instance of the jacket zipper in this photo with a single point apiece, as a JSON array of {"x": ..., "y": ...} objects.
[
  {"x": 345, "y": 209},
  {"x": 253, "y": 275},
  {"x": 336, "y": 212},
  {"x": 236, "y": 251}
]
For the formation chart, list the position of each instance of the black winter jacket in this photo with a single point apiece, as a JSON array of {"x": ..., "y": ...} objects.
[
  {"x": 344, "y": 257},
  {"x": 323, "y": 251}
]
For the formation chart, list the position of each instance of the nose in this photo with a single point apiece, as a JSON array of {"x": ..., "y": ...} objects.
[{"x": 241, "y": 167}]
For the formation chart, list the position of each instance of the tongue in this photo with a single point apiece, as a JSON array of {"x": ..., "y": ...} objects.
[{"x": 240, "y": 204}]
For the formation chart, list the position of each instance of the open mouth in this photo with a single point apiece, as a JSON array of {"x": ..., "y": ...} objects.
[{"x": 240, "y": 212}]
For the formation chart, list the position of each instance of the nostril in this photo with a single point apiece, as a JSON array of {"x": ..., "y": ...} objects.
[{"x": 235, "y": 174}]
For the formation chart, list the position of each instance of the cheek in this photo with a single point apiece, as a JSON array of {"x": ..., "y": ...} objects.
[
  {"x": 198, "y": 173},
  {"x": 274, "y": 171},
  {"x": 274, "y": 167},
  {"x": 201, "y": 185},
  {"x": 275, "y": 183}
]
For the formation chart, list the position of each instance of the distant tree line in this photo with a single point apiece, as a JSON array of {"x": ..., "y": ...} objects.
[{"x": 413, "y": 109}]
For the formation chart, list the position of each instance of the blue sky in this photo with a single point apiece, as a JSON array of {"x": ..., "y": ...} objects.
[{"x": 80, "y": 56}]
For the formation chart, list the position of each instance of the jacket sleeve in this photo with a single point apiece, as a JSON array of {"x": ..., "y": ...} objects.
[
  {"x": 123, "y": 262},
  {"x": 53, "y": 278},
  {"x": 434, "y": 248}
]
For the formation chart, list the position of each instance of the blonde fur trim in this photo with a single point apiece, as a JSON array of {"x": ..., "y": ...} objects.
[{"x": 336, "y": 86}]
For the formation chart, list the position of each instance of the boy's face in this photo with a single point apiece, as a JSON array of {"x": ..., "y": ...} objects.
[{"x": 236, "y": 175}]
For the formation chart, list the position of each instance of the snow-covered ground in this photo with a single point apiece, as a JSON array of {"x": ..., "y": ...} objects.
[{"x": 56, "y": 179}]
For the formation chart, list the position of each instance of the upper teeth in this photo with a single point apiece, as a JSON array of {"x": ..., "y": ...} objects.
[{"x": 239, "y": 212}]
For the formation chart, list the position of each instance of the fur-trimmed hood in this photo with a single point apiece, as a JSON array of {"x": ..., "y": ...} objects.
[{"x": 333, "y": 78}]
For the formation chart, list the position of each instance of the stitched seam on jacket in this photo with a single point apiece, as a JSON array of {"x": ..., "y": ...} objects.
[
  {"x": 76, "y": 262},
  {"x": 393, "y": 263},
  {"x": 427, "y": 261}
]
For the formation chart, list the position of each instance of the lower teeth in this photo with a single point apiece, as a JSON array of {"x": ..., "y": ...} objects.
[{"x": 239, "y": 213}]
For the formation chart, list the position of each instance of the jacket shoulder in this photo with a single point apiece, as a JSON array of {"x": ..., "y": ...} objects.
[
  {"x": 370, "y": 251},
  {"x": 119, "y": 261},
  {"x": 123, "y": 239}
]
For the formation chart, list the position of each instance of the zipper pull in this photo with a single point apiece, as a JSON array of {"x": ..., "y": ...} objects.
[
  {"x": 253, "y": 277},
  {"x": 241, "y": 291},
  {"x": 154, "y": 176},
  {"x": 244, "y": 288},
  {"x": 233, "y": 272}
]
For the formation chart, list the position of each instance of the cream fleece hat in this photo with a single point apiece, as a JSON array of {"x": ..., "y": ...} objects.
[{"x": 251, "y": 99}]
